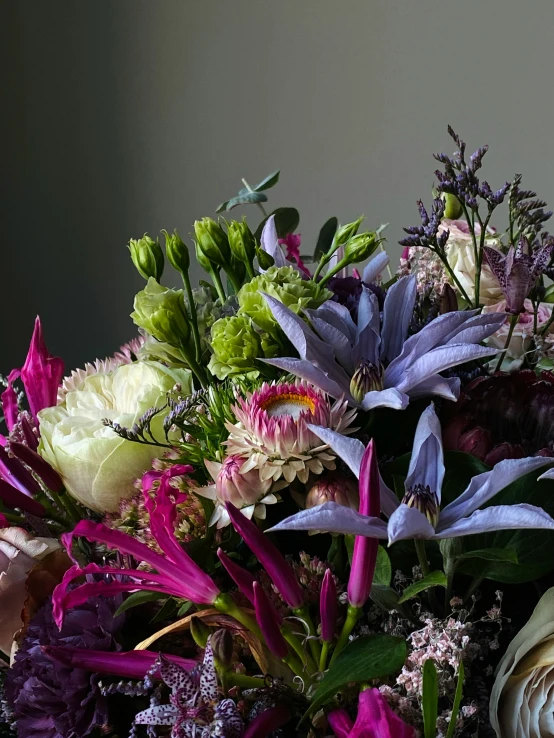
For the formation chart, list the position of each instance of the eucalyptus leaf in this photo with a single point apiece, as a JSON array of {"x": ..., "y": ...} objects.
[
  {"x": 325, "y": 238},
  {"x": 138, "y": 598},
  {"x": 268, "y": 182},
  {"x": 248, "y": 198},
  {"x": 434, "y": 579},
  {"x": 222, "y": 207},
  {"x": 430, "y": 699},
  {"x": 366, "y": 658}
]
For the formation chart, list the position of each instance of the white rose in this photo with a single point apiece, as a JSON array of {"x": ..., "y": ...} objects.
[
  {"x": 97, "y": 466},
  {"x": 522, "y": 698},
  {"x": 522, "y": 336},
  {"x": 19, "y": 552},
  {"x": 461, "y": 258}
]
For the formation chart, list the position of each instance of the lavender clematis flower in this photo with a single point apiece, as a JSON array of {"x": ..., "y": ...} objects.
[
  {"x": 195, "y": 708},
  {"x": 517, "y": 271},
  {"x": 374, "y": 365},
  {"x": 419, "y": 514},
  {"x": 269, "y": 242}
]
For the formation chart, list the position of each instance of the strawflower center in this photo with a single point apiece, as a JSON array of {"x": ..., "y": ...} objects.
[
  {"x": 289, "y": 403},
  {"x": 423, "y": 499}
]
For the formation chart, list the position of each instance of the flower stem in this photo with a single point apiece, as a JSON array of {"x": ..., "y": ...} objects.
[
  {"x": 352, "y": 617},
  {"x": 513, "y": 323},
  {"x": 425, "y": 570},
  {"x": 303, "y": 614},
  {"x": 225, "y": 604},
  {"x": 323, "y": 657},
  {"x": 259, "y": 204},
  {"x": 218, "y": 284},
  {"x": 193, "y": 315},
  {"x": 234, "y": 679}
]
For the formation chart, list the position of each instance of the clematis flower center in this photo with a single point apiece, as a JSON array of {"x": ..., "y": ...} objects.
[
  {"x": 423, "y": 499},
  {"x": 366, "y": 378},
  {"x": 288, "y": 403}
]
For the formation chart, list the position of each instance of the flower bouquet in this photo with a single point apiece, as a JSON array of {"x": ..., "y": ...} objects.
[{"x": 312, "y": 497}]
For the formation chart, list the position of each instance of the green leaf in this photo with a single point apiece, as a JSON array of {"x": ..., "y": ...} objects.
[
  {"x": 383, "y": 568},
  {"x": 268, "y": 182},
  {"x": 385, "y": 597},
  {"x": 457, "y": 702},
  {"x": 325, "y": 238},
  {"x": 138, "y": 598},
  {"x": 490, "y": 554},
  {"x": 168, "y": 609},
  {"x": 286, "y": 221},
  {"x": 364, "y": 659},
  {"x": 434, "y": 579},
  {"x": 222, "y": 207},
  {"x": 248, "y": 198},
  {"x": 430, "y": 699},
  {"x": 184, "y": 608}
]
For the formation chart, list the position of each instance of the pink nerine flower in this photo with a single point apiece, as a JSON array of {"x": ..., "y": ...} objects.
[
  {"x": 292, "y": 243},
  {"x": 375, "y": 719},
  {"x": 41, "y": 374}
]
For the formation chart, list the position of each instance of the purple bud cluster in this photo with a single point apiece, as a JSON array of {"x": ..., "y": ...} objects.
[{"x": 427, "y": 234}]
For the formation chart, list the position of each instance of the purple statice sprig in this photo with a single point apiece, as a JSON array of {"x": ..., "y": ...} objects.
[
  {"x": 141, "y": 431},
  {"x": 527, "y": 213}
]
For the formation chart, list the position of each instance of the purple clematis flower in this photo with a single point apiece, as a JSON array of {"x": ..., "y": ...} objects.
[
  {"x": 518, "y": 270},
  {"x": 419, "y": 514},
  {"x": 374, "y": 365},
  {"x": 195, "y": 708}
]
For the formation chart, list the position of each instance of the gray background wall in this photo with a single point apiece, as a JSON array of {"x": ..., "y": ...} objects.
[{"x": 126, "y": 116}]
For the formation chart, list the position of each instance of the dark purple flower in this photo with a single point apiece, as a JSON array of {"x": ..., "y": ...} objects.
[
  {"x": 52, "y": 700},
  {"x": 518, "y": 270},
  {"x": 347, "y": 291}
]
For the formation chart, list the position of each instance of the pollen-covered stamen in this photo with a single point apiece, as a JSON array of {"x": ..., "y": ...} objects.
[
  {"x": 367, "y": 378},
  {"x": 288, "y": 403},
  {"x": 423, "y": 499}
]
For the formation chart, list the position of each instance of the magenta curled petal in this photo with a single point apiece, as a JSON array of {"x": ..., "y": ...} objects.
[
  {"x": 8, "y": 399},
  {"x": 241, "y": 577},
  {"x": 328, "y": 606},
  {"x": 269, "y": 556},
  {"x": 13, "y": 498},
  {"x": 41, "y": 374},
  {"x": 365, "y": 549},
  {"x": 13, "y": 472},
  {"x": 267, "y": 722},
  {"x": 128, "y": 664},
  {"x": 340, "y": 723},
  {"x": 38, "y": 465},
  {"x": 269, "y": 622},
  {"x": 376, "y": 719}
]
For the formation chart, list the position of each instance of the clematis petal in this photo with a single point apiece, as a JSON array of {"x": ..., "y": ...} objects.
[
  {"x": 373, "y": 268},
  {"x": 397, "y": 312},
  {"x": 485, "y": 486},
  {"x": 368, "y": 337},
  {"x": 306, "y": 370},
  {"x": 296, "y": 330},
  {"x": 427, "y": 460},
  {"x": 334, "y": 519},
  {"x": 269, "y": 242},
  {"x": 477, "y": 328},
  {"x": 498, "y": 517},
  {"x": 390, "y": 397},
  {"x": 408, "y": 522},
  {"x": 437, "y": 386}
]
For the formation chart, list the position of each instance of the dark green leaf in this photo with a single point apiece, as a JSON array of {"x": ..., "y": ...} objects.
[
  {"x": 184, "y": 608},
  {"x": 383, "y": 568},
  {"x": 286, "y": 221},
  {"x": 248, "y": 198},
  {"x": 490, "y": 554},
  {"x": 268, "y": 182},
  {"x": 168, "y": 609},
  {"x": 457, "y": 702},
  {"x": 138, "y": 598},
  {"x": 430, "y": 699},
  {"x": 385, "y": 597},
  {"x": 434, "y": 579},
  {"x": 364, "y": 659},
  {"x": 325, "y": 238}
]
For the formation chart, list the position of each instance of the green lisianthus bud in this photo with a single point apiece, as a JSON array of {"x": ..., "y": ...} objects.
[
  {"x": 201, "y": 259},
  {"x": 212, "y": 241},
  {"x": 348, "y": 231},
  {"x": 161, "y": 311},
  {"x": 147, "y": 256},
  {"x": 177, "y": 252},
  {"x": 360, "y": 247},
  {"x": 452, "y": 206},
  {"x": 241, "y": 240},
  {"x": 265, "y": 260}
]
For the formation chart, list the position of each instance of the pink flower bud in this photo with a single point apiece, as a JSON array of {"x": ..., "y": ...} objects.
[
  {"x": 334, "y": 488},
  {"x": 241, "y": 490},
  {"x": 41, "y": 374},
  {"x": 269, "y": 622},
  {"x": 328, "y": 607}
]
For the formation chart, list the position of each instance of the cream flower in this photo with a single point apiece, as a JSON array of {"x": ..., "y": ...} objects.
[
  {"x": 522, "y": 698},
  {"x": 461, "y": 257},
  {"x": 272, "y": 433},
  {"x": 97, "y": 466},
  {"x": 19, "y": 552}
]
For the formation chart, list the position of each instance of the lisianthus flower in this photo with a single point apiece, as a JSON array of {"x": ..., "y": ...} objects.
[
  {"x": 195, "y": 706},
  {"x": 375, "y": 719},
  {"x": 378, "y": 366},
  {"x": 419, "y": 514},
  {"x": 272, "y": 434},
  {"x": 245, "y": 490}
]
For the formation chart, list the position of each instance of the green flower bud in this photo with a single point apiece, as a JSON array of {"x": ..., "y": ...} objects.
[
  {"x": 241, "y": 240},
  {"x": 237, "y": 347},
  {"x": 161, "y": 311},
  {"x": 286, "y": 285},
  {"x": 367, "y": 378},
  {"x": 549, "y": 294},
  {"x": 348, "y": 231},
  {"x": 199, "y": 632},
  {"x": 212, "y": 241},
  {"x": 202, "y": 260},
  {"x": 147, "y": 256},
  {"x": 265, "y": 260},
  {"x": 177, "y": 252},
  {"x": 360, "y": 247},
  {"x": 452, "y": 206},
  {"x": 222, "y": 647}
]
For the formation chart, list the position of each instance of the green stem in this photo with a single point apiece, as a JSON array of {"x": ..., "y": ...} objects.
[
  {"x": 479, "y": 260},
  {"x": 513, "y": 323},
  {"x": 234, "y": 281},
  {"x": 225, "y": 604},
  {"x": 218, "y": 284},
  {"x": 234, "y": 679},
  {"x": 474, "y": 585},
  {"x": 331, "y": 273},
  {"x": 249, "y": 269},
  {"x": 296, "y": 646},
  {"x": 454, "y": 278},
  {"x": 548, "y": 324},
  {"x": 193, "y": 315},
  {"x": 425, "y": 570},
  {"x": 195, "y": 367},
  {"x": 352, "y": 617},
  {"x": 259, "y": 204},
  {"x": 304, "y": 614},
  {"x": 324, "y": 656}
]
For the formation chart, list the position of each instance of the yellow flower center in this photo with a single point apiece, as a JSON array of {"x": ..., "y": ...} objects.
[{"x": 288, "y": 403}]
